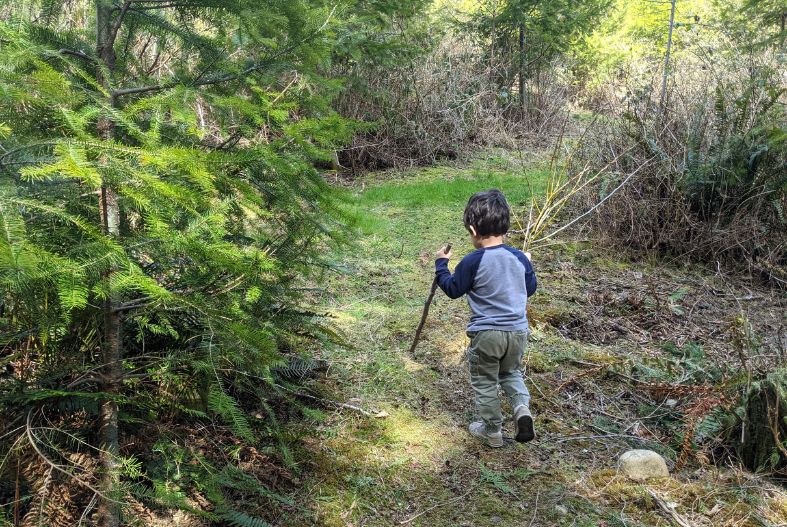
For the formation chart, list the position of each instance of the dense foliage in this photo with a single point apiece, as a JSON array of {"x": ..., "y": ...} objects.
[
  {"x": 523, "y": 37},
  {"x": 160, "y": 209},
  {"x": 714, "y": 187}
]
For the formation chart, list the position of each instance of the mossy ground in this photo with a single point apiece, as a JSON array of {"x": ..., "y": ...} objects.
[{"x": 415, "y": 464}]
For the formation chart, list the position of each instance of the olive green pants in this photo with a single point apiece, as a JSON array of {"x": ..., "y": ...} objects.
[{"x": 495, "y": 358}]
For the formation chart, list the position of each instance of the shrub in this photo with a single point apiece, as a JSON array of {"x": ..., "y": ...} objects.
[{"x": 716, "y": 181}]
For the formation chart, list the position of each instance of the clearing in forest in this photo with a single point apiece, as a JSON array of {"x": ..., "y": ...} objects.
[{"x": 597, "y": 319}]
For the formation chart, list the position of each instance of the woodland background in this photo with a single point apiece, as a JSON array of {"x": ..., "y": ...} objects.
[{"x": 179, "y": 180}]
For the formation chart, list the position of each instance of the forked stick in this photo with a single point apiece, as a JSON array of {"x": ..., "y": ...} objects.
[{"x": 426, "y": 308}]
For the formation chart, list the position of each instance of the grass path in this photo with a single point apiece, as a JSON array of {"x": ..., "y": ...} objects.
[{"x": 415, "y": 464}]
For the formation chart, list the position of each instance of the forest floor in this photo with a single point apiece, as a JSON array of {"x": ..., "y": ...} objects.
[{"x": 602, "y": 325}]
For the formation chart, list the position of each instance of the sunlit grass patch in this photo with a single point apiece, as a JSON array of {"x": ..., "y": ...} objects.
[
  {"x": 426, "y": 443},
  {"x": 362, "y": 465},
  {"x": 397, "y": 465},
  {"x": 427, "y": 191},
  {"x": 599, "y": 356},
  {"x": 415, "y": 205},
  {"x": 412, "y": 366},
  {"x": 450, "y": 349},
  {"x": 720, "y": 501}
]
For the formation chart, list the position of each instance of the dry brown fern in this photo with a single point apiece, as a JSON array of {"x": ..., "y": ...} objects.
[
  {"x": 56, "y": 501},
  {"x": 698, "y": 410}
]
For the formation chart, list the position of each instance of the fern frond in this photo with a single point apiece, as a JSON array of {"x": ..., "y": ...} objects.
[
  {"x": 227, "y": 408},
  {"x": 241, "y": 519}
]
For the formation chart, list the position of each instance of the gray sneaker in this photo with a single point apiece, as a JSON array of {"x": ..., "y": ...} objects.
[
  {"x": 478, "y": 429},
  {"x": 523, "y": 420}
]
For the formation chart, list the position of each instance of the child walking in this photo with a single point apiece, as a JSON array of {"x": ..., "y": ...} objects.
[{"x": 497, "y": 280}]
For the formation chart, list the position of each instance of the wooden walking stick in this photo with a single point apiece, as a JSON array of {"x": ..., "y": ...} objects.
[{"x": 426, "y": 307}]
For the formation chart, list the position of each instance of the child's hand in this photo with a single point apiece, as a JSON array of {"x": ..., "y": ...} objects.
[
  {"x": 442, "y": 253},
  {"x": 529, "y": 257}
]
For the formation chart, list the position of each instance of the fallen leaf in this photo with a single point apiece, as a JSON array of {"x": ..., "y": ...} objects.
[{"x": 381, "y": 414}]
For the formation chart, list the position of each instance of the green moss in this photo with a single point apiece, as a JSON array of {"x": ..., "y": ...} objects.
[
  {"x": 538, "y": 361},
  {"x": 608, "y": 263}
]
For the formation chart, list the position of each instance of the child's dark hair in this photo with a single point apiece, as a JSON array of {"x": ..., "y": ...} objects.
[{"x": 488, "y": 213}]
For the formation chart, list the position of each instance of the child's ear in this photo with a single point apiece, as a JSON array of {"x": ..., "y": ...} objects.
[{"x": 473, "y": 233}]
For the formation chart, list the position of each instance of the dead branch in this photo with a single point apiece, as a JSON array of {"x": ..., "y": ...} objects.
[
  {"x": 669, "y": 511},
  {"x": 31, "y": 439},
  {"x": 425, "y": 312},
  {"x": 337, "y": 404},
  {"x": 441, "y": 504},
  {"x": 597, "y": 205}
]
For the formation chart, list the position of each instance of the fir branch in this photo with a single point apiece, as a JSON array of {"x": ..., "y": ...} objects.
[{"x": 226, "y": 77}]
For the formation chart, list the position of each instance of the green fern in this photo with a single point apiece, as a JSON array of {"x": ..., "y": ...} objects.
[
  {"x": 231, "y": 477},
  {"x": 227, "y": 408},
  {"x": 241, "y": 519},
  {"x": 497, "y": 480},
  {"x": 297, "y": 368},
  {"x": 711, "y": 426}
]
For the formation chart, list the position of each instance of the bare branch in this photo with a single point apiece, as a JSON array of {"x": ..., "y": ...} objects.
[
  {"x": 59, "y": 468},
  {"x": 118, "y": 22},
  {"x": 77, "y": 54},
  {"x": 597, "y": 205}
]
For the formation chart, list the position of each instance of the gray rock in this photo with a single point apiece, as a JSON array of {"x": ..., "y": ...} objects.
[
  {"x": 561, "y": 510},
  {"x": 641, "y": 465}
]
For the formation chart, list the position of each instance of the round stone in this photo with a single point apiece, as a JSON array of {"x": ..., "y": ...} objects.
[{"x": 642, "y": 465}]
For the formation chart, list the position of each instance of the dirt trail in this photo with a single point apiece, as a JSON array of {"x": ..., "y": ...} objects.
[{"x": 597, "y": 321}]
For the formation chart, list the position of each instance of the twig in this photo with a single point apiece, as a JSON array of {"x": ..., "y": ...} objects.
[
  {"x": 17, "y": 487},
  {"x": 59, "y": 468},
  {"x": 535, "y": 510},
  {"x": 329, "y": 401},
  {"x": 433, "y": 507},
  {"x": 585, "y": 373},
  {"x": 113, "y": 33},
  {"x": 87, "y": 510},
  {"x": 76, "y": 53},
  {"x": 425, "y": 312},
  {"x": 670, "y": 511}
]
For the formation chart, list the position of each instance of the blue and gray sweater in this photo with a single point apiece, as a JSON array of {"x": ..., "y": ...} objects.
[{"x": 497, "y": 280}]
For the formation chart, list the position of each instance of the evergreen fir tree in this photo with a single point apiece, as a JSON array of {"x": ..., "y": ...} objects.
[{"x": 159, "y": 208}]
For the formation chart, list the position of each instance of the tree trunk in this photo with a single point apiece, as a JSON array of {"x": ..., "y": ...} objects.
[
  {"x": 522, "y": 67},
  {"x": 663, "y": 99},
  {"x": 109, "y": 511},
  {"x": 492, "y": 51}
]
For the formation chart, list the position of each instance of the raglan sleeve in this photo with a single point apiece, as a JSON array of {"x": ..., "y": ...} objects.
[
  {"x": 530, "y": 274},
  {"x": 461, "y": 281},
  {"x": 531, "y": 283}
]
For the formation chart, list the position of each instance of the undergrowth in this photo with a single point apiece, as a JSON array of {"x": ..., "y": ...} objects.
[{"x": 414, "y": 462}]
